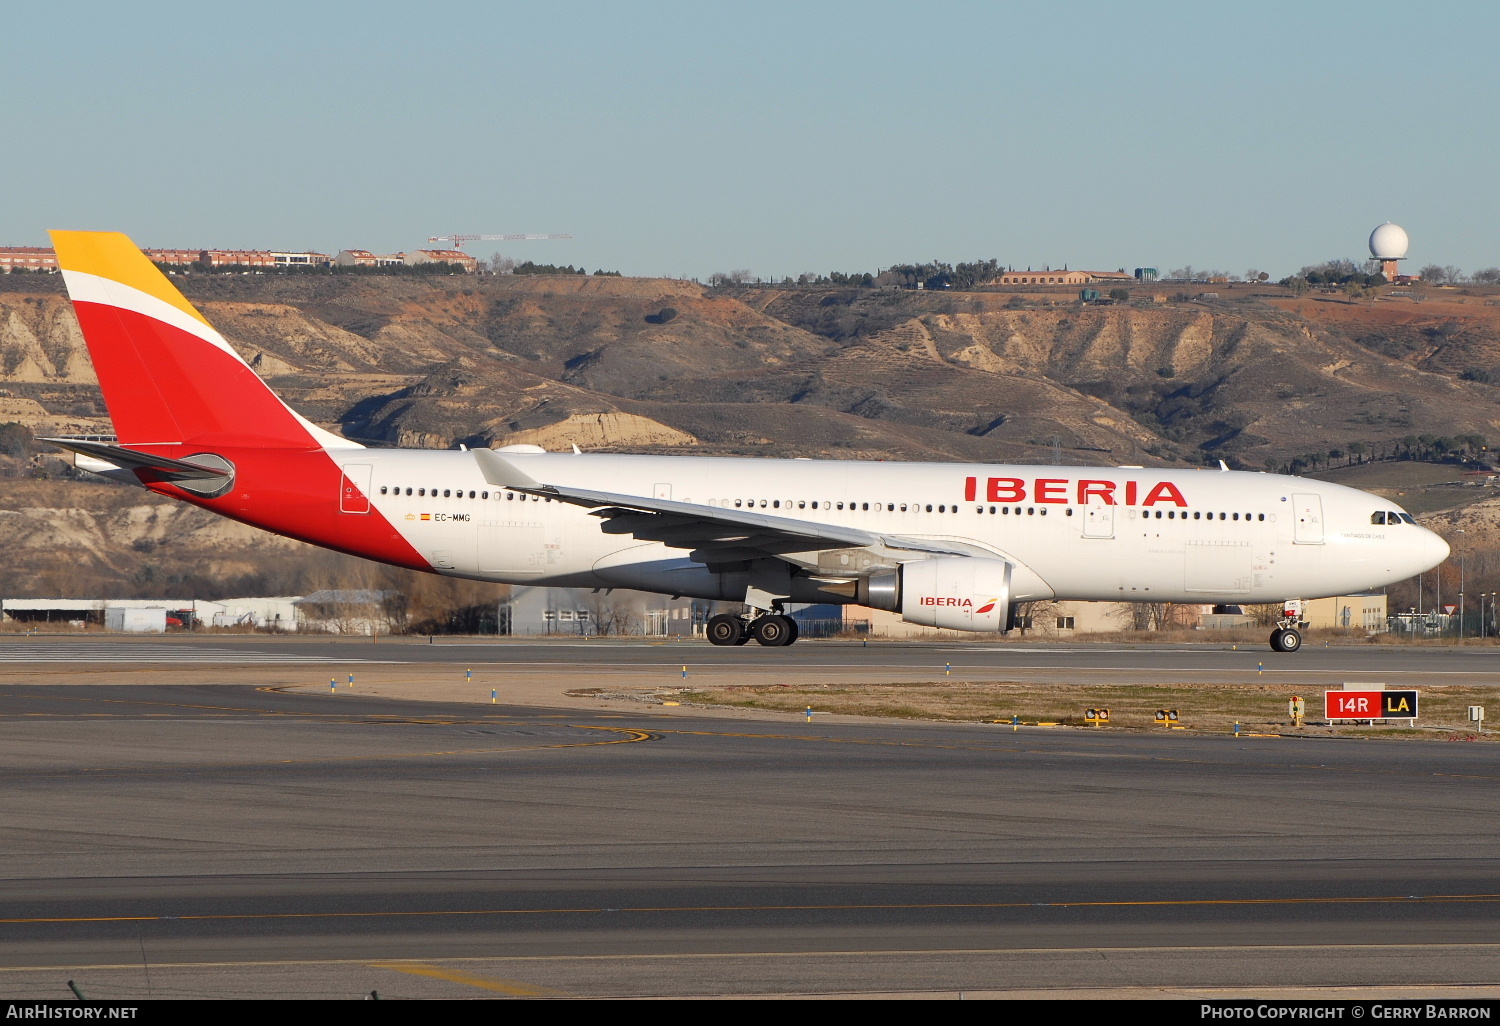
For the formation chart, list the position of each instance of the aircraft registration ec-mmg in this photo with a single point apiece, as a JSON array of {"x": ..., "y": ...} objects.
[{"x": 946, "y": 545}]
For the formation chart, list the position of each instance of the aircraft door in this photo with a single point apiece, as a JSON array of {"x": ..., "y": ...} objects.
[
  {"x": 354, "y": 488},
  {"x": 1099, "y": 522},
  {"x": 1309, "y": 511}
]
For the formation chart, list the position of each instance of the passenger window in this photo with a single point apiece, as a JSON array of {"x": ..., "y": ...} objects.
[
  {"x": 802, "y": 504},
  {"x": 471, "y": 494},
  {"x": 445, "y": 493},
  {"x": 1070, "y": 511},
  {"x": 1260, "y": 516},
  {"x": 929, "y": 508},
  {"x": 1236, "y": 516},
  {"x": 421, "y": 491},
  {"x": 1030, "y": 511},
  {"x": 484, "y": 495}
]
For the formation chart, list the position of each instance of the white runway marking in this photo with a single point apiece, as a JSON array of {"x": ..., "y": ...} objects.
[{"x": 147, "y": 652}]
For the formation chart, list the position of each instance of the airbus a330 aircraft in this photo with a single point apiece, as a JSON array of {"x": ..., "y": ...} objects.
[{"x": 946, "y": 545}]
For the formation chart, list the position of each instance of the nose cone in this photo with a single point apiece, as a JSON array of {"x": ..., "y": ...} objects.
[{"x": 1434, "y": 549}]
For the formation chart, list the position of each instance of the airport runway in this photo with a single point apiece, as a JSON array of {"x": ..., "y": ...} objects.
[
  {"x": 1403, "y": 665},
  {"x": 231, "y": 841}
]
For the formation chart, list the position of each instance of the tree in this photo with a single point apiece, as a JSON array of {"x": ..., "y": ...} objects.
[
  {"x": 1120, "y": 295},
  {"x": 1488, "y": 276},
  {"x": 16, "y": 440},
  {"x": 1433, "y": 274},
  {"x": 1295, "y": 285}
]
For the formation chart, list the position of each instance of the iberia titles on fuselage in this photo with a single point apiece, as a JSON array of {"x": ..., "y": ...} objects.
[{"x": 941, "y": 544}]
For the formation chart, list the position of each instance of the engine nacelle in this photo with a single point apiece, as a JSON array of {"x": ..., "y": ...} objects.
[{"x": 961, "y": 593}]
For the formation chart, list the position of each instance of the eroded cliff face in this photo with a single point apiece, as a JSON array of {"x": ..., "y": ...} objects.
[{"x": 651, "y": 365}]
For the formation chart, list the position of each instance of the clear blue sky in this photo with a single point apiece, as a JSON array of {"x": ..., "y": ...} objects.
[{"x": 687, "y": 138}]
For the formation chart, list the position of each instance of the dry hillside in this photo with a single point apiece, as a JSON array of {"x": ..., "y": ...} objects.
[{"x": 655, "y": 365}]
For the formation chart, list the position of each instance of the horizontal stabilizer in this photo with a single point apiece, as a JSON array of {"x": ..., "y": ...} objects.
[{"x": 133, "y": 459}]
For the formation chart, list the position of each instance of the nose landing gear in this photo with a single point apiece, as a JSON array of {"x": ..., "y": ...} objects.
[
  {"x": 1287, "y": 637},
  {"x": 772, "y": 630}
]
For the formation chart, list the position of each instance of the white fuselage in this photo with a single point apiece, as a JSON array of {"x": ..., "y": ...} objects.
[{"x": 1083, "y": 533}]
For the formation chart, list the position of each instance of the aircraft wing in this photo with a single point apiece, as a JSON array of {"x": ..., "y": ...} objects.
[
  {"x": 714, "y": 534},
  {"x": 132, "y": 459}
]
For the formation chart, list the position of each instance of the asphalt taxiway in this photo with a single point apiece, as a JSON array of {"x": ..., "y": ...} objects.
[{"x": 196, "y": 840}]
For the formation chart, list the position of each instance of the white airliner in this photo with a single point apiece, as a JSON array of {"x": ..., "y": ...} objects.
[{"x": 946, "y": 545}]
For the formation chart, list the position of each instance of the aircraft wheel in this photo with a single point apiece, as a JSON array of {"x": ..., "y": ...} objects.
[
  {"x": 1285, "y": 640},
  {"x": 726, "y": 630},
  {"x": 774, "y": 631}
]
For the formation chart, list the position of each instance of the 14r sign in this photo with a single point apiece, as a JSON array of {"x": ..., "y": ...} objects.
[{"x": 1370, "y": 705}]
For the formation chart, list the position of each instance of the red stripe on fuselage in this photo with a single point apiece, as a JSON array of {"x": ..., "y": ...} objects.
[{"x": 296, "y": 493}]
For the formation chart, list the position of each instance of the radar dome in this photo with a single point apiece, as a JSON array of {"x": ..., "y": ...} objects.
[{"x": 1388, "y": 242}]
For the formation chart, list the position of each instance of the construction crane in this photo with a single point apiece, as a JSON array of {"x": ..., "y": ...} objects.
[{"x": 459, "y": 240}]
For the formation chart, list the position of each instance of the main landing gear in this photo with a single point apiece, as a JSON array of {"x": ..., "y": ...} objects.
[{"x": 771, "y": 629}]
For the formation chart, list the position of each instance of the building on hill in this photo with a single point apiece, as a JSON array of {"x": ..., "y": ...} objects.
[
  {"x": 308, "y": 259},
  {"x": 444, "y": 256},
  {"x": 27, "y": 258},
  {"x": 238, "y": 258},
  {"x": 364, "y": 258},
  {"x": 1048, "y": 277},
  {"x": 175, "y": 257},
  {"x": 1063, "y": 277}
]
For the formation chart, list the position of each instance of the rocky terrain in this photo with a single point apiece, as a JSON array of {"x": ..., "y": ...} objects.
[{"x": 658, "y": 365}]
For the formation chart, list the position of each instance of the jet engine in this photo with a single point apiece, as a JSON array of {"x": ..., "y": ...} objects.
[{"x": 961, "y": 593}]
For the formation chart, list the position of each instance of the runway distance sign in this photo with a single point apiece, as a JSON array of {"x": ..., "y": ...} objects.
[{"x": 1370, "y": 705}]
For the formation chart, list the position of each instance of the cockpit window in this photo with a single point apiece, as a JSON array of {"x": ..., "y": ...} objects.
[
  {"x": 1378, "y": 517},
  {"x": 1393, "y": 517},
  {"x": 1407, "y": 517}
]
